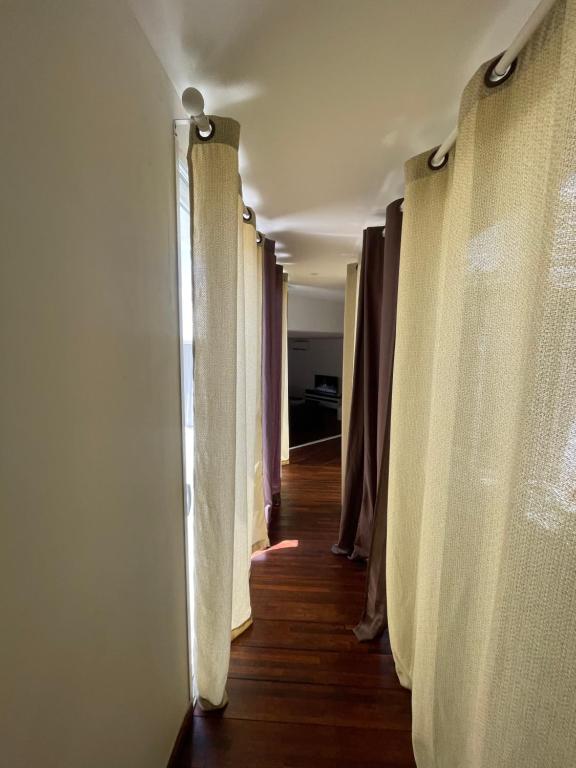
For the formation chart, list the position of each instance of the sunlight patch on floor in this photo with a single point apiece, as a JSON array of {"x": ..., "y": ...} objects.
[{"x": 286, "y": 544}]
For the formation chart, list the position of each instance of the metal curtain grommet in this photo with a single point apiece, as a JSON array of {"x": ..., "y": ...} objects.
[
  {"x": 437, "y": 166},
  {"x": 259, "y": 238},
  {"x": 206, "y": 136},
  {"x": 492, "y": 79},
  {"x": 247, "y": 214}
]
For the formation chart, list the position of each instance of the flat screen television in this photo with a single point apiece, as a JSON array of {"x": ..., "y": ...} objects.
[{"x": 328, "y": 384}]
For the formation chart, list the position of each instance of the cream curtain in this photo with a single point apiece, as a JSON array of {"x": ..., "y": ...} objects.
[
  {"x": 247, "y": 387},
  {"x": 285, "y": 425},
  {"x": 259, "y": 529},
  {"x": 349, "y": 343},
  {"x": 228, "y": 498},
  {"x": 482, "y": 506},
  {"x": 213, "y": 177}
]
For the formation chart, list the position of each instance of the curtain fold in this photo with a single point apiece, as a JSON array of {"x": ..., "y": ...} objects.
[
  {"x": 364, "y": 450},
  {"x": 350, "y": 311},
  {"x": 285, "y": 425},
  {"x": 481, "y": 508},
  {"x": 246, "y": 407},
  {"x": 271, "y": 375},
  {"x": 213, "y": 177},
  {"x": 374, "y": 617}
]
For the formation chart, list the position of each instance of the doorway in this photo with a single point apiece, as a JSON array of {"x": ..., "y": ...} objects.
[{"x": 314, "y": 387}]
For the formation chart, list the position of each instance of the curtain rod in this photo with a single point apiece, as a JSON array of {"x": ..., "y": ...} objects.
[{"x": 500, "y": 70}]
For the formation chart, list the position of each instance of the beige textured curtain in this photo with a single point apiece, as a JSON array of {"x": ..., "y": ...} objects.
[
  {"x": 285, "y": 425},
  {"x": 228, "y": 506},
  {"x": 247, "y": 387},
  {"x": 349, "y": 342},
  {"x": 482, "y": 504},
  {"x": 259, "y": 528},
  {"x": 213, "y": 175}
]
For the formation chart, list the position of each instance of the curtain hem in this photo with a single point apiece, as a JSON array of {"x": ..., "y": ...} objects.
[
  {"x": 237, "y": 631},
  {"x": 207, "y": 706}
]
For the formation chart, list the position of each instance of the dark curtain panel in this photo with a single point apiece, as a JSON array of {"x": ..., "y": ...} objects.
[
  {"x": 374, "y": 619},
  {"x": 271, "y": 374},
  {"x": 361, "y": 461},
  {"x": 368, "y": 437}
]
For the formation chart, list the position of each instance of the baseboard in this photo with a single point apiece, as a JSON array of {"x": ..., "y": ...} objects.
[{"x": 179, "y": 750}]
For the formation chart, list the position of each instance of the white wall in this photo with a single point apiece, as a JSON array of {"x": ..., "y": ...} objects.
[
  {"x": 92, "y": 588},
  {"x": 308, "y": 312},
  {"x": 322, "y": 356}
]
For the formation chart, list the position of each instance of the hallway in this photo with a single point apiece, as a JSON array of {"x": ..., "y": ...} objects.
[{"x": 303, "y": 692}]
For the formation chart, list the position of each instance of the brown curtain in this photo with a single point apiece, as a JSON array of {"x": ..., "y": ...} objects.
[
  {"x": 368, "y": 436},
  {"x": 361, "y": 462},
  {"x": 374, "y": 619},
  {"x": 271, "y": 374}
]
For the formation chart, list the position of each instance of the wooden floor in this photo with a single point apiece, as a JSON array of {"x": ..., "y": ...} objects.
[{"x": 303, "y": 692}]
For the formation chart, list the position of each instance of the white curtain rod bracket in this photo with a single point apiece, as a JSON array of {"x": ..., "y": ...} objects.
[{"x": 193, "y": 103}]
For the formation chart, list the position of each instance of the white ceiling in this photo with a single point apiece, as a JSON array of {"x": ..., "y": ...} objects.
[{"x": 333, "y": 96}]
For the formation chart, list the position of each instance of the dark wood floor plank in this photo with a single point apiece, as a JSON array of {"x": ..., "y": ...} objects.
[
  {"x": 370, "y": 708},
  {"x": 337, "y": 610},
  {"x": 301, "y": 635},
  {"x": 248, "y": 744},
  {"x": 317, "y": 667}
]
